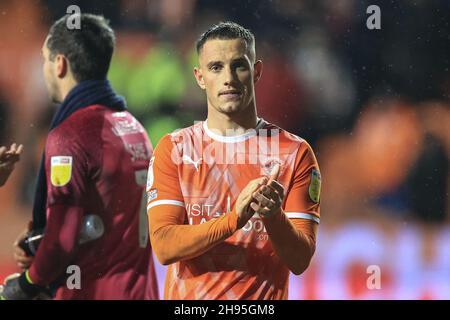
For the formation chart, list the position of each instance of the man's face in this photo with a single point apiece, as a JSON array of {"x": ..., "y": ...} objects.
[
  {"x": 226, "y": 71},
  {"x": 49, "y": 74}
]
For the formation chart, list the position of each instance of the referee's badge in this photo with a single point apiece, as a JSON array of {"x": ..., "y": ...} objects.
[
  {"x": 60, "y": 170},
  {"x": 314, "y": 186}
]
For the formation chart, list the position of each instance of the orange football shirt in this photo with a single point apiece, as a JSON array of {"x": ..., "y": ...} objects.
[{"x": 203, "y": 172}]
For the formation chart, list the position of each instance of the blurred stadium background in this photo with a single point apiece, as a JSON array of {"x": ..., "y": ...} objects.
[{"x": 373, "y": 103}]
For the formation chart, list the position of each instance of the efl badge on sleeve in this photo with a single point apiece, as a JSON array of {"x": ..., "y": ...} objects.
[
  {"x": 61, "y": 170},
  {"x": 314, "y": 186}
]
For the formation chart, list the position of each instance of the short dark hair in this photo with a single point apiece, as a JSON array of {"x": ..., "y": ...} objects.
[
  {"x": 88, "y": 49},
  {"x": 227, "y": 31}
]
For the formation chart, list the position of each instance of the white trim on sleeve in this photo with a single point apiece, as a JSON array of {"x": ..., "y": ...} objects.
[
  {"x": 161, "y": 202},
  {"x": 302, "y": 215}
]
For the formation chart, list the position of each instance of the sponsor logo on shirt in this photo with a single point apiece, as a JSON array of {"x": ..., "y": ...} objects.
[{"x": 199, "y": 213}]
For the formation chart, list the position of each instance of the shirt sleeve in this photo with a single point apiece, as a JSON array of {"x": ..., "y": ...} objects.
[
  {"x": 163, "y": 185},
  {"x": 303, "y": 197},
  {"x": 67, "y": 167},
  {"x": 67, "y": 173}
]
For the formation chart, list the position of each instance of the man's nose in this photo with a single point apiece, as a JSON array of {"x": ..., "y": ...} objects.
[{"x": 229, "y": 76}]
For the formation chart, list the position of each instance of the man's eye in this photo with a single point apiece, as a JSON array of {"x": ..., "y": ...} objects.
[
  {"x": 215, "y": 68},
  {"x": 241, "y": 67}
]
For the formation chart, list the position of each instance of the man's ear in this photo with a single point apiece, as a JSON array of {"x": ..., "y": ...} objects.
[
  {"x": 61, "y": 66},
  {"x": 199, "y": 77},
  {"x": 258, "y": 67}
]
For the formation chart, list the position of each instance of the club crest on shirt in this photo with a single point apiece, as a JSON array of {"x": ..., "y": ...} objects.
[
  {"x": 314, "y": 186},
  {"x": 60, "y": 170},
  {"x": 269, "y": 164}
]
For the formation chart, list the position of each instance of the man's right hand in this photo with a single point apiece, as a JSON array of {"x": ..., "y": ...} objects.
[
  {"x": 244, "y": 199},
  {"x": 23, "y": 261},
  {"x": 8, "y": 158}
]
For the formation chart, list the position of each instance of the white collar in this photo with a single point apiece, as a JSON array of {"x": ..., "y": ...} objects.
[{"x": 238, "y": 138}]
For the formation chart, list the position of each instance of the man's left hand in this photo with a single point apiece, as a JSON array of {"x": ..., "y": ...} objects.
[{"x": 269, "y": 197}]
